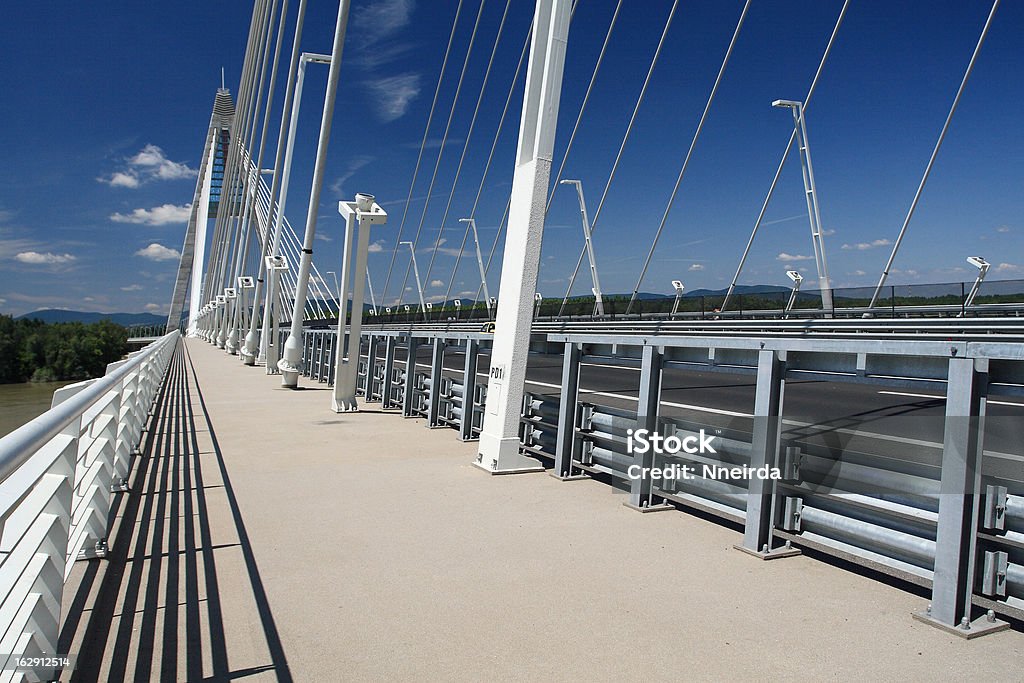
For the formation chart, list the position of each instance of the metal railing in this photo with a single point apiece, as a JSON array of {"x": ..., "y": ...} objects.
[
  {"x": 58, "y": 476},
  {"x": 946, "y": 514}
]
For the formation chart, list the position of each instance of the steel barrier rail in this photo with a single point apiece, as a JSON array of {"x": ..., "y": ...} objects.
[
  {"x": 58, "y": 474},
  {"x": 1010, "y": 310},
  {"x": 938, "y": 328},
  {"x": 920, "y": 521},
  {"x": 889, "y": 514}
]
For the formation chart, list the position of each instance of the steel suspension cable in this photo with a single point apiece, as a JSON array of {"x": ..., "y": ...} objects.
[
  {"x": 469, "y": 137},
  {"x": 689, "y": 154},
  {"x": 622, "y": 147},
  {"x": 444, "y": 140},
  {"x": 583, "y": 106},
  {"x": 423, "y": 145},
  {"x": 568, "y": 147},
  {"x": 785, "y": 155},
  {"x": 935, "y": 153},
  {"x": 490, "y": 157},
  {"x": 218, "y": 245}
]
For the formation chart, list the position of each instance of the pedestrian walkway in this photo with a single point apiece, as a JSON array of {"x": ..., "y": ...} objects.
[{"x": 268, "y": 538}]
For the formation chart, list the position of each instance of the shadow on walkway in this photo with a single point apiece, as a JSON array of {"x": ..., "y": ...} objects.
[{"x": 180, "y": 595}]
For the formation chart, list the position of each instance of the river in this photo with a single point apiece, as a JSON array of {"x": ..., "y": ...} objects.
[{"x": 19, "y": 403}]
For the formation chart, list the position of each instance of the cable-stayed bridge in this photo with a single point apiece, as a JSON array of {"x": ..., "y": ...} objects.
[{"x": 228, "y": 528}]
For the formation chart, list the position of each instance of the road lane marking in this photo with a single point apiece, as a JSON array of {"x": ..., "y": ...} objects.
[{"x": 906, "y": 393}]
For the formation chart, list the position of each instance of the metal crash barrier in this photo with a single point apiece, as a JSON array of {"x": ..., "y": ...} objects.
[{"x": 950, "y": 516}]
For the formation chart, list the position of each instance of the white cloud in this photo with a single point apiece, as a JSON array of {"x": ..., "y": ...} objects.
[
  {"x": 324, "y": 238},
  {"x": 1003, "y": 228},
  {"x": 793, "y": 257},
  {"x": 158, "y": 252},
  {"x": 121, "y": 179},
  {"x": 132, "y": 288},
  {"x": 337, "y": 187},
  {"x": 376, "y": 247},
  {"x": 35, "y": 258},
  {"x": 378, "y": 20},
  {"x": 859, "y": 272},
  {"x": 392, "y": 95},
  {"x": 1007, "y": 268},
  {"x": 436, "y": 283},
  {"x": 828, "y": 232},
  {"x": 165, "y": 214},
  {"x": 696, "y": 266},
  {"x": 152, "y": 158},
  {"x": 155, "y": 308},
  {"x": 150, "y": 163},
  {"x": 864, "y": 246}
]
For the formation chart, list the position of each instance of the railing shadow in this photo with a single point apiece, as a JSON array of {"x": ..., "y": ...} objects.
[{"x": 154, "y": 611}]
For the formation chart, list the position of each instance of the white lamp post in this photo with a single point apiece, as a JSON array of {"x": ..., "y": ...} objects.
[
  {"x": 598, "y": 302},
  {"x": 416, "y": 272},
  {"x": 811, "y": 192},
  {"x": 479, "y": 260},
  {"x": 678, "y": 286},
  {"x": 797, "y": 278},
  {"x": 982, "y": 265},
  {"x": 362, "y": 213}
]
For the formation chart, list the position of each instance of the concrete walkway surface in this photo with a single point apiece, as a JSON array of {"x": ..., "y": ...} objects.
[{"x": 267, "y": 538}]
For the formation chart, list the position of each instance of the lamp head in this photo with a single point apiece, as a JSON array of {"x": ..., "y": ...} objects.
[
  {"x": 364, "y": 201},
  {"x": 794, "y": 276},
  {"x": 792, "y": 104},
  {"x": 678, "y": 286},
  {"x": 978, "y": 262}
]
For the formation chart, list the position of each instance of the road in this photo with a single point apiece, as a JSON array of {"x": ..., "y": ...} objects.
[{"x": 869, "y": 418}]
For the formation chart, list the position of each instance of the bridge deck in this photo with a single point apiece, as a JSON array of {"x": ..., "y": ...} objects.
[{"x": 267, "y": 537}]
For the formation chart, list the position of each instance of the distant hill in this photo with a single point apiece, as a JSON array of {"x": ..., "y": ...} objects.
[
  {"x": 53, "y": 315},
  {"x": 741, "y": 289}
]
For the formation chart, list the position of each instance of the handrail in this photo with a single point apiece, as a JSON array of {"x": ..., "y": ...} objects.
[{"x": 18, "y": 446}]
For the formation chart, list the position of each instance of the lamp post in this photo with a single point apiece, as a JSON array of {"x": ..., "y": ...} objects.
[
  {"x": 416, "y": 272},
  {"x": 797, "y": 278},
  {"x": 813, "y": 212},
  {"x": 271, "y": 342},
  {"x": 363, "y": 213},
  {"x": 678, "y": 286},
  {"x": 278, "y": 215},
  {"x": 598, "y": 302},
  {"x": 479, "y": 260},
  {"x": 290, "y": 364},
  {"x": 982, "y": 265}
]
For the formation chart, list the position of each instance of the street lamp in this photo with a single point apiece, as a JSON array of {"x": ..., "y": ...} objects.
[
  {"x": 598, "y": 302},
  {"x": 982, "y": 265},
  {"x": 416, "y": 272},
  {"x": 271, "y": 342},
  {"x": 797, "y": 278},
  {"x": 363, "y": 213},
  {"x": 678, "y": 286},
  {"x": 479, "y": 260},
  {"x": 811, "y": 193}
]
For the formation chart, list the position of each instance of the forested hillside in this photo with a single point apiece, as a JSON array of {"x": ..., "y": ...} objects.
[{"x": 31, "y": 350}]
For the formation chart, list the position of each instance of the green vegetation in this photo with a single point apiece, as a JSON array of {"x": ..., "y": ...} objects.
[{"x": 34, "y": 351}]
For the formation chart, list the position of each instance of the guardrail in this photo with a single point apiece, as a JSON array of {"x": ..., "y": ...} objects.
[
  {"x": 950, "y": 516},
  {"x": 960, "y": 329},
  {"x": 58, "y": 476}
]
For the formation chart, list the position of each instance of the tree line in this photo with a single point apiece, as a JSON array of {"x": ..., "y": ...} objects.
[{"x": 34, "y": 351}]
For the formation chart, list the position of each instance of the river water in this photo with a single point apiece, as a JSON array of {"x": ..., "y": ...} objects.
[{"x": 19, "y": 403}]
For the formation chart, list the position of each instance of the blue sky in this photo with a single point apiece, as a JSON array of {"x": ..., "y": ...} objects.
[{"x": 104, "y": 113}]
